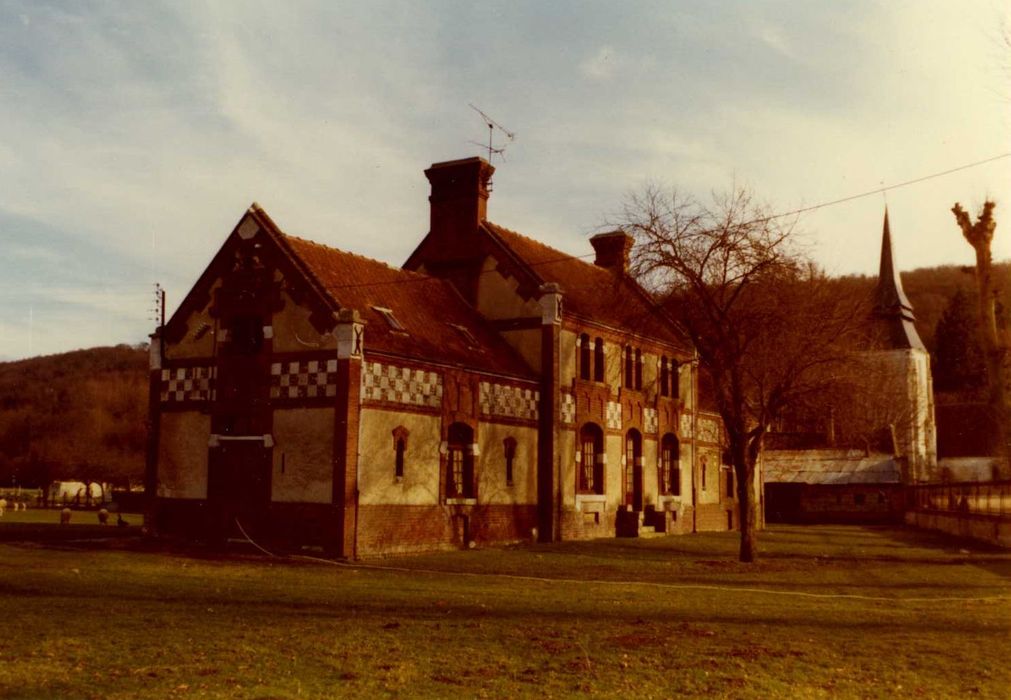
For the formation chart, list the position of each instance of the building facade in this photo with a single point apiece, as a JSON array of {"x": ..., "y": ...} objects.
[{"x": 494, "y": 389}]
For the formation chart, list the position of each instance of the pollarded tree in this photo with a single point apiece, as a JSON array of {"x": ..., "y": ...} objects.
[
  {"x": 994, "y": 340},
  {"x": 767, "y": 324}
]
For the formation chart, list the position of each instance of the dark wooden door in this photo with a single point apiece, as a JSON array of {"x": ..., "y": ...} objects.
[{"x": 238, "y": 487}]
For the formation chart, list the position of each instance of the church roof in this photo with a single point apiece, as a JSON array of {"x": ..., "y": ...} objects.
[
  {"x": 829, "y": 467},
  {"x": 589, "y": 291},
  {"x": 436, "y": 323},
  {"x": 891, "y": 306}
]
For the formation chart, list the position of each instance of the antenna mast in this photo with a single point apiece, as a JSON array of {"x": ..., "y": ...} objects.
[{"x": 492, "y": 125}]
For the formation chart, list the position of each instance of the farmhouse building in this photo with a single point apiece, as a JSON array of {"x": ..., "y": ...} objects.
[{"x": 494, "y": 389}]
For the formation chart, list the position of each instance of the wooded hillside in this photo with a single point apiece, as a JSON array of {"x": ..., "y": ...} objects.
[
  {"x": 930, "y": 290},
  {"x": 76, "y": 415}
]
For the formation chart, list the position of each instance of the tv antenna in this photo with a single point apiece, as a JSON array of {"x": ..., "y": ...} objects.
[{"x": 492, "y": 125}]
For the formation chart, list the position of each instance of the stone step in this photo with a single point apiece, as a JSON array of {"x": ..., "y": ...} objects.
[{"x": 647, "y": 532}]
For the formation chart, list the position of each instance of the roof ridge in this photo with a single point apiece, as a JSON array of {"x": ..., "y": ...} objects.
[
  {"x": 543, "y": 245},
  {"x": 359, "y": 256}
]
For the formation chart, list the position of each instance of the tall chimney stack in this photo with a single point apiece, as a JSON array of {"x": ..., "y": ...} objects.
[
  {"x": 459, "y": 199},
  {"x": 612, "y": 250}
]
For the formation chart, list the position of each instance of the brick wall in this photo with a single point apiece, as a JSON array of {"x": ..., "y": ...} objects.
[
  {"x": 577, "y": 525},
  {"x": 386, "y": 529},
  {"x": 713, "y": 517}
]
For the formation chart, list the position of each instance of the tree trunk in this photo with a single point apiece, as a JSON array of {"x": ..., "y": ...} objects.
[
  {"x": 995, "y": 348},
  {"x": 744, "y": 454}
]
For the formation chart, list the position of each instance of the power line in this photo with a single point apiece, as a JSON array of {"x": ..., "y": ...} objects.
[{"x": 885, "y": 188}]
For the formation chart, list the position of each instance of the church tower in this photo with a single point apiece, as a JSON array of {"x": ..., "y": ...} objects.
[{"x": 905, "y": 364}]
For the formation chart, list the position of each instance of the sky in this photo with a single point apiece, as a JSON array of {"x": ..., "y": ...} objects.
[{"x": 135, "y": 135}]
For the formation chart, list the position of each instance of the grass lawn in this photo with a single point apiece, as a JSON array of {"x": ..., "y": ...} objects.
[
  {"x": 828, "y": 612},
  {"x": 43, "y": 524}
]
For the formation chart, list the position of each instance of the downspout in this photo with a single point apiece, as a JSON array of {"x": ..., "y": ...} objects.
[
  {"x": 358, "y": 461},
  {"x": 695, "y": 431}
]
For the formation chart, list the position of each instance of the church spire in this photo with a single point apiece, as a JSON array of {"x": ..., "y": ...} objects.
[{"x": 891, "y": 305}]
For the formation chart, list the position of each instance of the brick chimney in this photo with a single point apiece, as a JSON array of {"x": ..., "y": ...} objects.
[
  {"x": 459, "y": 199},
  {"x": 612, "y": 250}
]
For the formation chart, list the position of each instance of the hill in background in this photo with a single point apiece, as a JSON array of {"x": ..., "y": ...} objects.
[
  {"x": 930, "y": 290},
  {"x": 76, "y": 415}
]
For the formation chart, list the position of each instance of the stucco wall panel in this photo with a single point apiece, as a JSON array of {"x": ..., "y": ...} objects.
[
  {"x": 200, "y": 333},
  {"x": 491, "y": 470},
  {"x": 182, "y": 454},
  {"x": 303, "y": 455},
  {"x": 528, "y": 344},
  {"x": 650, "y": 491},
  {"x": 377, "y": 481},
  {"x": 567, "y": 356},
  {"x": 614, "y": 447},
  {"x": 497, "y": 296},
  {"x": 294, "y": 333}
]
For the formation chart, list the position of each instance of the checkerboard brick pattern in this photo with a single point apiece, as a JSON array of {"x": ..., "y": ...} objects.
[
  {"x": 303, "y": 379},
  {"x": 613, "y": 415},
  {"x": 650, "y": 420},
  {"x": 686, "y": 425},
  {"x": 708, "y": 425},
  {"x": 568, "y": 408},
  {"x": 709, "y": 429},
  {"x": 414, "y": 387},
  {"x": 187, "y": 384},
  {"x": 509, "y": 401}
]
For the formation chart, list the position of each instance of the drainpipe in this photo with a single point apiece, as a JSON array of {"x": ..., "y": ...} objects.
[{"x": 695, "y": 431}]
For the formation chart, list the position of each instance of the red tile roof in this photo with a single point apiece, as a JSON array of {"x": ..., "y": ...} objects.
[
  {"x": 590, "y": 291},
  {"x": 427, "y": 307}
]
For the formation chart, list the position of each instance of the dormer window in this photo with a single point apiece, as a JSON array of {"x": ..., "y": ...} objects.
[
  {"x": 392, "y": 320},
  {"x": 465, "y": 333}
]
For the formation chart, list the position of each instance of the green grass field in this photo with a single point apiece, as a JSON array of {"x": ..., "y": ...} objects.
[
  {"x": 51, "y": 516},
  {"x": 828, "y": 612}
]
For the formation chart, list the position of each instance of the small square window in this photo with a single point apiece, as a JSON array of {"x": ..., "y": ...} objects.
[
  {"x": 392, "y": 320},
  {"x": 465, "y": 333}
]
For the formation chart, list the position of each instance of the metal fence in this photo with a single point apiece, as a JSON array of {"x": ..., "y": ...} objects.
[{"x": 975, "y": 498}]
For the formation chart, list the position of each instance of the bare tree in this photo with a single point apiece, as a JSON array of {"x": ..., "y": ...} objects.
[
  {"x": 767, "y": 324},
  {"x": 995, "y": 342}
]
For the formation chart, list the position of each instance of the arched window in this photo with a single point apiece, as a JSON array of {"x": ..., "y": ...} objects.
[
  {"x": 664, "y": 377},
  {"x": 703, "y": 468},
  {"x": 638, "y": 368},
  {"x": 629, "y": 368},
  {"x": 460, "y": 462},
  {"x": 591, "y": 459},
  {"x": 670, "y": 466},
  {"x": 632, "y": 471},
  {"x": 675, "y": 384},
  {"x": 400, "y": 434},
  {"x": 598, "y": 360},
  {"x": 584, "y": 356},
  {"x": 509, "y": 449}
]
